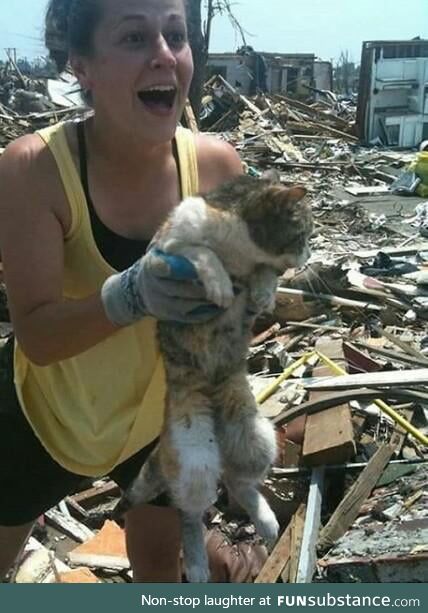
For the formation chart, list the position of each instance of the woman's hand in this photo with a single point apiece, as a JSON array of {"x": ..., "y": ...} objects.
[{"x": 162, "y": 285}]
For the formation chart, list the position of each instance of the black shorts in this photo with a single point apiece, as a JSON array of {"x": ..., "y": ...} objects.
[{"x": 31, "y": 482}]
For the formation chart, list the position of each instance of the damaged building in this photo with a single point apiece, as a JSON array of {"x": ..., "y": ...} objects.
[
  {"x": 274, "y": 73},
  {"x": 393, "y": 96}
]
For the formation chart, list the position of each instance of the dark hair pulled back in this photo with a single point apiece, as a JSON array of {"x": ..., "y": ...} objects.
[{"x": 69, "y": 26}]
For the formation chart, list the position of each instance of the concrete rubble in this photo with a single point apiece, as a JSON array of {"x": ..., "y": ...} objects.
[{"x": 349, "y": 485}]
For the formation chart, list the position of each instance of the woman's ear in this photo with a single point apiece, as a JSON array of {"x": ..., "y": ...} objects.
[{"x": 79, "y": 66}]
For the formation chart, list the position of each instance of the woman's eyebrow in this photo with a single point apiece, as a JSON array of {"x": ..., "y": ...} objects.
[
  {"x": 128, "y": 18},
  {"x": 175, "y": 17},
  {"x": 140, "y": 17}
]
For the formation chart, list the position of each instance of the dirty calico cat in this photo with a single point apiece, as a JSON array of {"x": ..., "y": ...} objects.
[{"x": 239, "y": 238}]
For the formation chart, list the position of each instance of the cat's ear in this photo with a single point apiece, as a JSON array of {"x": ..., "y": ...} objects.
[
  {"x": 271, "y": 175},
  {"x": 296, "y": 194},
  {"x": 282, "y": 195}
]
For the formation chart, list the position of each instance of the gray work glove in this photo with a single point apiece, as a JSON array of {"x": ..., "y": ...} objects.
[{"x": 161, "y": 285}]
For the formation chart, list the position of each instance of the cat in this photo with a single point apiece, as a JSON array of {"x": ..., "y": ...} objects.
[{"x": 239, "y": 237}]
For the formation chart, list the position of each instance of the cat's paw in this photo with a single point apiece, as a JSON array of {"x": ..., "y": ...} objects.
[
  {"x": 220, "y": 291},
  {"x": 263, "y": 286},
  {"x": 263, "y": 299},
  {"x": 267, "y": 526}
]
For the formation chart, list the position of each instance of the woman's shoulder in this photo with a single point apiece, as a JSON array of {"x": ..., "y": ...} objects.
[
  {"x": 28, "y": 172},
  {"x": 24, "y": 158},
  {"x": 218, "y": 161}
]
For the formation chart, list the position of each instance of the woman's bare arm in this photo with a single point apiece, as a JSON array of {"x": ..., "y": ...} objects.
[
  {"x": 33, "y": 223},
  {"x": 48, "y": 328}
]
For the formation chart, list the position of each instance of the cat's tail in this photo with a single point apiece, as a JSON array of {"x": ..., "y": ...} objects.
[{"x": 148, "y": 485}]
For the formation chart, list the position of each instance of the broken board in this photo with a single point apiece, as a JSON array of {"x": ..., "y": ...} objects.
[{"x": 329, "y": 436}]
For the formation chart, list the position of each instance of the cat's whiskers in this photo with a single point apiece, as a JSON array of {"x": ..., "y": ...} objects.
[
  {"x": 322, "y": 281},
  {"x": 331, "y": 291}
]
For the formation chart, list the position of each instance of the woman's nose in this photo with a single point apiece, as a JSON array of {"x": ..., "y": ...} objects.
[{"x": 162, "y": 55}]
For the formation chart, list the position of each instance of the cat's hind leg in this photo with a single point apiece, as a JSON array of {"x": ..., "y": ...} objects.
[
  {"x": 246, "y": 494},
  {"x": 148, "y": 485},
  {"x": 190, "y": 461},
  {"x": 247, "y": 443}
]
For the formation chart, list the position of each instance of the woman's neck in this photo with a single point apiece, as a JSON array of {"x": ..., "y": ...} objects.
[{"x": 123, "y": 150}]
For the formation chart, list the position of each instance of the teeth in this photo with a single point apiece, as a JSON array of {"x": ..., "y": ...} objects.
[{"x": 160, "y": 88}]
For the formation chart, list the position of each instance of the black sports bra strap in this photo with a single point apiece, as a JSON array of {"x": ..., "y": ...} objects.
[
  {"x": 178, "y": 165},
  {"x": 82, "y": 157},
  {"x": 118, "y": 251}
]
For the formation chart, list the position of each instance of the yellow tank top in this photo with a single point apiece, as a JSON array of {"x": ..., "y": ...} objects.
[{"x": 95, "y": 410}]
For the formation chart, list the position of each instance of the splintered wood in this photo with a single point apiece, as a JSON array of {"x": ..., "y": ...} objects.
[
  {"x": 329, "y": 437},
  {"x": 348, "y": 509}
]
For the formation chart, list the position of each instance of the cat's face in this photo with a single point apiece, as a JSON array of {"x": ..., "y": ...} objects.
[{"x": 279, "y": 221}]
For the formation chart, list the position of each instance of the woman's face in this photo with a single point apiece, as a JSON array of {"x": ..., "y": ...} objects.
[{"x": 140, "y": 71}]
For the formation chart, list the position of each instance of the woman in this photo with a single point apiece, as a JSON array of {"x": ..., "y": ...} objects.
[{"x": 79, "y": 204}]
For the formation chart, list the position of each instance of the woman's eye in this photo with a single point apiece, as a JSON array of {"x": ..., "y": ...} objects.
[
  {"x": 134, "y": 38},
  {"x": 176, "y": 39}
]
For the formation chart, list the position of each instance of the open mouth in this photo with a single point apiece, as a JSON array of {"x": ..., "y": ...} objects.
[{"x": 160, "y": 98}]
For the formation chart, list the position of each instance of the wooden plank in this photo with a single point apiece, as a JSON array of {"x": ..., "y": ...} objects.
[
  {"x": 358, "y": 361},
  {"x": 323, "y": 115},
  {"x": 252, "y": 107},
  {"x": 338, "y": 398},
  {"x": 389, "y": 353},
  {"x": 278, "y": 559},
  {"x": 308, "y": 557},
  {"x": 94, "y": 495},
  {"x": 347, "y": 511},
  {"x": 285, "y": 575},
  {"x": 406, "y": 347},
  {"x": 38, "y": 565},
  {"x": 329, "y": 436},
  {"x": 190, "y": 118},
  {"x": 355, "y": 304},
  {"x": 297, "y": 530},
  {"x": 315, "y": 126},
  {"x": 69, "y": 526},
  {"x": 371, "y": 379},
  {"x": 261, "y": 338},
  {"x": 400, "y": 434}
]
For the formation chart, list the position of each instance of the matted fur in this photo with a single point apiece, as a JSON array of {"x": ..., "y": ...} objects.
[{"x": 239, "y": 236}]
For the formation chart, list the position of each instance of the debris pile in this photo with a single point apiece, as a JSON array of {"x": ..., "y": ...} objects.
[
  {"x": 340, "y": 367},
  {"x": 28, "y": 104},
  {"x": 224, "y": 108}
]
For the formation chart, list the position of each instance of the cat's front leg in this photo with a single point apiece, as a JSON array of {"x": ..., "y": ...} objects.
[
  {"x": 263, "y": 284},
  {"x": 211, "y": 272}
]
